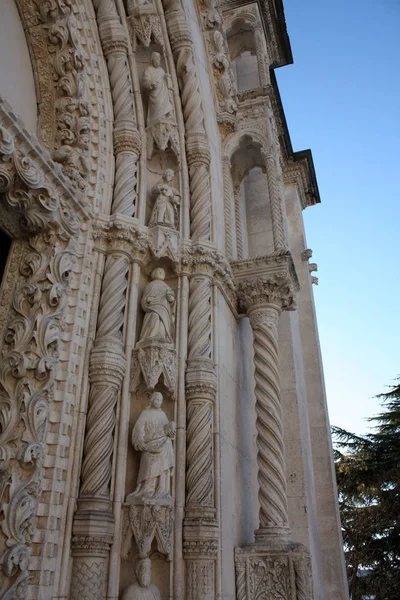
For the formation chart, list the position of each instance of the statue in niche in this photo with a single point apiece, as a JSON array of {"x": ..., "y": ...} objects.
[
  {"x": 152, "y": 435},
  {"x": 161, "y": 125},
  {"x": 167, "y": 201},
  {"x": 158, "y": 303},
  {"x": 143, "y": 589}
]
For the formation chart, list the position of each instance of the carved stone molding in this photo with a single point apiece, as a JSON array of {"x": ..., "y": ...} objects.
[
  {"x": 61, "y": 69},
  {"x": 271, "y": 279},
  {"x": 37, "y": 195},
  {"x": 27, "y": 369},
  {"x": 273, "y": 572}
]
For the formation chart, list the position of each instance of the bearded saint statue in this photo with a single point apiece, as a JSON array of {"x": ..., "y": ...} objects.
[
  {"x": 143, "y": 589},
  {"x": 152, "y": 435},
  {"x": 157, "y": 302}
]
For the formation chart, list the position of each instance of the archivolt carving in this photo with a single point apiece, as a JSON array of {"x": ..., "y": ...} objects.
[
  {"x": 61, "y": 74},
  {"x": 144, "y": 22}
]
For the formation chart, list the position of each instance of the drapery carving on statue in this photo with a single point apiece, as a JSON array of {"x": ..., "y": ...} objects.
[
  {"x": 160, "y": 122},
  {"x": 166, "y": 205},
  {"x": 152, "y": 435},
  {"x": 158, "y": 303},
  {"x": 143, "y": 589},
  {"x": 145, "y": 22}
]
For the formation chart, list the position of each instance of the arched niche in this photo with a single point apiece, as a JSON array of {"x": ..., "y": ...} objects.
[
  {"x": 251, "y": 210},
  {"x": 243, "y": 53},
  {"x": 16, "y": 74}
]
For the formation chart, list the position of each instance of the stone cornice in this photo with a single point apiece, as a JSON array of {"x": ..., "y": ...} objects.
[
  {"x": 38, "y": 196},
  {"x": 268, "y": 279}
]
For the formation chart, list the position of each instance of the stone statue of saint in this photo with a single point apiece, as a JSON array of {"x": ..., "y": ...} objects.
[
  {"x": 143, "y": 589},
  {"x": 167, "y": 200},
  {"x": 156, "y": 80},
  {"x": 152, "y": 435},
  {"x": 157, "y": 302}
]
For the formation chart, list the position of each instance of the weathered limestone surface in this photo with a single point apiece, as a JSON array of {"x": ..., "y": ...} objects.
[{"x": 163, "y": 425}]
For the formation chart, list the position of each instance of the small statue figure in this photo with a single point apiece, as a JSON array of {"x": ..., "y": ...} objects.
[
  {"x": 152, "y": 435},
  {"x": 168, "y": 199},
  {"x": 157, "y": 302},
  {"x": 159, "y": 84},
  {"x": 161, "y": 124},
  {"x": 143, "y": 589}
]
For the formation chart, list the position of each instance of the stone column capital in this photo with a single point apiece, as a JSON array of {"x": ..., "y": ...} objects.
[{"x": 267, "y": 283}]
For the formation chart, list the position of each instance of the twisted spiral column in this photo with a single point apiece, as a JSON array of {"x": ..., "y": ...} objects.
[
  {"x": 276, "y": 200},
  {"x": 126, "y": 136},
  {"x": 94, "y": 524},
  {"x": 199, "y": 337},
  {"x": 270, "y": 444},
  {"x": 226, "y": 174}
]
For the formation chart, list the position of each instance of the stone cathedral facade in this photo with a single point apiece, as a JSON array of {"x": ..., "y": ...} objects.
[{"x": 163, "y": 425}]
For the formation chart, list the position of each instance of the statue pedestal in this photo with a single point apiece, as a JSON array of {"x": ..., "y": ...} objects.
[
  {"x": 164, "y": 241},
  {"x": 153, "y": 359},
  {"x": 151, "y": 518},
  {"x": 273, "y": 571}
]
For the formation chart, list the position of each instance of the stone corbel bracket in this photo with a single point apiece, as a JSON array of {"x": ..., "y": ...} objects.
[
  {"x": 268, "y": 279},
  {"x": 118, "y": 233},
  {"x": 35, "y": 195}
]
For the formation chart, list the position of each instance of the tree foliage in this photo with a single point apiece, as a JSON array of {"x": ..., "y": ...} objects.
[{"x": 368, "y": 477}]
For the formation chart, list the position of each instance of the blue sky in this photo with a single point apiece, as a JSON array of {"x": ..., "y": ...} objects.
[{"x": 342, "y": 100}]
